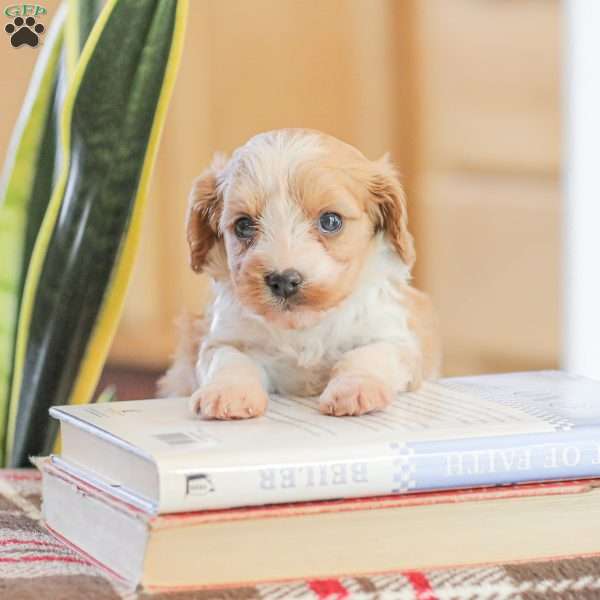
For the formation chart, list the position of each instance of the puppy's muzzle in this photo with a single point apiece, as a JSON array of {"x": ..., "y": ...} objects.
[{"x": 285, "y": 284}]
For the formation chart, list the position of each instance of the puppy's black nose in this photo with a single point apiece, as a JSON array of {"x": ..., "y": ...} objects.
[{"x": 284, "y": 284}]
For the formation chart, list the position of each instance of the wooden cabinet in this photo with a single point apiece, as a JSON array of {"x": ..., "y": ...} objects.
[
  {"x": 485, "y": 192},
  {"x": 488, "y": 77},
  {"x": 491, "y": 263}
]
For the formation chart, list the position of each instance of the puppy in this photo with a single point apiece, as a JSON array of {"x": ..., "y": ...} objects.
[{"x": 307, "y": 244}]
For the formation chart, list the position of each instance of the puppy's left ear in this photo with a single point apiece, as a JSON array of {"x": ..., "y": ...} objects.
[{"x": 391, "y": 215}]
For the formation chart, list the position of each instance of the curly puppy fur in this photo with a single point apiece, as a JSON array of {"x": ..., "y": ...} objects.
[{"x": 345, "y": 326}]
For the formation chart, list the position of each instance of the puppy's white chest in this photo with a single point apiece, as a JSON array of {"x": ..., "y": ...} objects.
[
  {"x": 301, "y": 362},
  {"x": 287, "y": 376},
  {"x": 301, "y": 370}
]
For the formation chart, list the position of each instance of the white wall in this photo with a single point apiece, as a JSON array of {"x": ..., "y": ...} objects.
[{"x": 581, "y": 325}]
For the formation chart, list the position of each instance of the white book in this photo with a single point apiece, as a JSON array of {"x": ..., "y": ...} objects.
[{"x": 456, "y": 433}]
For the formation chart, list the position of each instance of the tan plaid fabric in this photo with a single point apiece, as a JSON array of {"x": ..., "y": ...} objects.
[{"x": 35, "y": 566}]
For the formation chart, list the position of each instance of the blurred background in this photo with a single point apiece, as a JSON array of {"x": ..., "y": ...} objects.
[{"x": 463, "y": 94}]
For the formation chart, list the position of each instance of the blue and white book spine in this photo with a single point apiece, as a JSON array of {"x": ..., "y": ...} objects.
[{"x": 400, "y": 468}]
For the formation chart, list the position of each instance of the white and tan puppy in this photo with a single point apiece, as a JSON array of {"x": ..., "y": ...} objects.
[{"x": 307, "y": 244}]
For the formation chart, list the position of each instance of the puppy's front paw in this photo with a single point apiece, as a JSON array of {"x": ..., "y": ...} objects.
[
  {"x": 229, "y": 401},
  {"x": 354, "y": 395}
]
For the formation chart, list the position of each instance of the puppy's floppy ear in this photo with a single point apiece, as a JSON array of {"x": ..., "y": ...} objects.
[
  {"x": 204, "y": 211},
  {"x": 391, "y": 214}
]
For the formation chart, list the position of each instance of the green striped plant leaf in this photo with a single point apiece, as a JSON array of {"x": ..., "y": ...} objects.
[
  {"x": 83, "y": 14},
  {"x": 111, "y": 123},
  {"x": 25, "y": 192},
  {"x": 31, "y": 172},
  {"x": 108, "y": 394}
]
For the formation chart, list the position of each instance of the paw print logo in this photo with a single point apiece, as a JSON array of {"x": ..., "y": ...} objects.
[{"x": 24, "y": 31}]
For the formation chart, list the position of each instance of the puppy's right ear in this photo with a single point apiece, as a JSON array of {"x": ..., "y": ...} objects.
[{"x": 204, "y": 211}]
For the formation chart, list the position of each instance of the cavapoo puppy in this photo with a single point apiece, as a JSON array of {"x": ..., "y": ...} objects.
[{"x": 308, "y": 247}]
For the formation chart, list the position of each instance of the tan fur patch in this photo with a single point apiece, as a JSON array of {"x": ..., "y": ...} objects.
[
  {"x": 423, "y": 322},
  {"x": 180, "y": 379}
]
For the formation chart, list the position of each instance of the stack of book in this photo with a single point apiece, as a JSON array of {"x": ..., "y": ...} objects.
[{"x": 465, "y": 471}]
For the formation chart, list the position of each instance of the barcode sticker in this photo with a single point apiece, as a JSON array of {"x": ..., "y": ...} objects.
[{"x": 176, "y": 438}]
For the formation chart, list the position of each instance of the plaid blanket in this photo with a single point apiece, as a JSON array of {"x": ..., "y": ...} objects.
[{"x": 35, "y": 566}]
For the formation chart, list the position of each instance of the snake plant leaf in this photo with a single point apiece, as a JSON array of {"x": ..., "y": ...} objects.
[
  {"x": 81, "y": 16},
  {"x": 25, "y": 192},
  {"x": 82, "y": 260},
  {"x": 108, "y": 394},
  {"x": 31, "y": 172}
]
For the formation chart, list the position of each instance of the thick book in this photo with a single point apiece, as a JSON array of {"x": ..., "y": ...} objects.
[
  {"x": 322, "y": 539},
  {"x": 455, "y": 433}
]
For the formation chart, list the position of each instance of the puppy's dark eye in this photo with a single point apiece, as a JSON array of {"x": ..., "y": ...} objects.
[
  {"x": 330, "y": 222},
  {"x": 245, "y": 228}
]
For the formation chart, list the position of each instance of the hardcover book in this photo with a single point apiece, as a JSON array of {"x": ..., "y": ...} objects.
[
  {"x": 322, "y": 539},
  {"x": 456, "y": 433}
]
